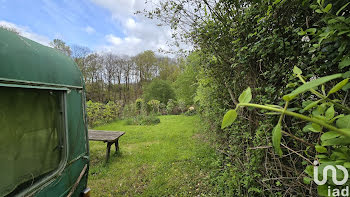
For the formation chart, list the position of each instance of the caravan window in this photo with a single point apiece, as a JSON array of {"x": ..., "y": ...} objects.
[{"x": 32, "y": 132}]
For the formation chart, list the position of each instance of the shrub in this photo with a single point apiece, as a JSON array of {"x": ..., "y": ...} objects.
[
  {"x": 159, "y": 90},
  {"x": 110, "y": 111},
  {"x": 154, "y": 105},
  {"x": 191, "y": 111},
  {"x": 94, "y": 113},
  {"x": 129, "y": 111},
  {"x": 170, "y": 108},
  {"x": 162, "y": 109},
  {"x": 139, "y": 105},
  {"x": 182, "y": 105},
  {"x": 320, "y": 111},
  {"x": 99, "y": 113}
]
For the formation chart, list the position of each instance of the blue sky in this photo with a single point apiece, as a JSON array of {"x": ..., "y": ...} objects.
[{"x": 102, "y": 25}]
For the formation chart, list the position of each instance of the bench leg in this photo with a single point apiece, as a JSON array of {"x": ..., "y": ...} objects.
[
  {"x": 116, "y": 146},
  {"x": 109, "y": 144}
]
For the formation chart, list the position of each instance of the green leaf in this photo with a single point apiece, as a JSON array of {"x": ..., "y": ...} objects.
[
  {"x": 346, "y": 87},
  {"x": 343, "y": 122},
  {"x": 344, "y": 63},
  {"x": 307, "y": 180},
  {"x": 339, "y": 116},
  {"x": 309, "y": 85},
  {"x": 330, "y": 112},
  {"x": 320, "y": 149},
  {"x": 319, "y": 111},
  {"x": 311, "y": 105},
  {"x": 306, "y": 103},
  {"x": 311, "y": 30},
  {"x": 343, "y": 32},
  {"x": 327, "y": 8},
  {"x": 329, "y": 135},
  {"x": 321, "y": 156},
  {"x": 229, "y": 118},
  {"x": 301, "y": 33},
  {"x": 276, "y": 2},
  {"x": 338, "y": 155},
  {"x": 346, "y": 75},
  {"x": 332, "y": 21},
  {"x": 315, "y": 128},
  {"x": 322, "y": 190},
  {"x": 246, "y": 96},
  {"x": 342, "y": 8},
  {"x": 307, "y": 128},
  {"x": 338, "y": 86},
  {"x": 336, "y": 141},
  {"x": 297, "y": 70},
  {"x": 346, "y": 164},
  {"x": 276, "y": 139},
  {"x": 309, "y": 170},
  {"x": 318, "y": 11}
]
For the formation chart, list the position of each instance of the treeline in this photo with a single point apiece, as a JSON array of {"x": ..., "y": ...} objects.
[
  {"x": 257, "y": 44},
  {"x": 135, "y": 88},
  {"x": 119, "y": 78}
]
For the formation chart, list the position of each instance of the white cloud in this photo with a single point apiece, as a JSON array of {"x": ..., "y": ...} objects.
[
  {"x": 140, "y": 33},
  {"x": 89, "y": 30},
  {"x": 130, "y": 23},
  {"x": 114, "y": 39},
  {"x": 26, "y": 32},
  {"x": 128, "y": 45}
]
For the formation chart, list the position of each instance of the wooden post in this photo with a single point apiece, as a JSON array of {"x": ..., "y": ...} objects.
[
  {"x": 108, "y": 150},
  {"x": 116, "y": 146}
]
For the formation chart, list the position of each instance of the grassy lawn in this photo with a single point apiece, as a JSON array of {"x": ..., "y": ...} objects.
[{"x": 168, "y": 159}]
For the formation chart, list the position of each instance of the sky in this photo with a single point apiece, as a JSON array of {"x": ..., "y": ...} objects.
[{"x": 101, "y": 25}]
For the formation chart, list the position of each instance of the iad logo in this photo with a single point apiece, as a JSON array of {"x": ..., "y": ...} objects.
[
  {"x": 334, "y": 174},
  {"x": 332, "y": 191}
]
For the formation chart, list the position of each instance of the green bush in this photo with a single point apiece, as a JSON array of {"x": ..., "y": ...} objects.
[
  {"x": 162, "y": 108},
  {"x": 181, "y": 105},
  {"x": 129, "y": 110},
  {"x": 154, "y": 106},
  {"x": 171, "y": 106},
  {"x": 159, "y": 90},
  {"x": 320, "y": 111},
  {"x": 186, "y": 83},
  {"x": 190, "y": 112},
  {"x": 139, "y": 103},
  {"x": 99, "y": 113}
]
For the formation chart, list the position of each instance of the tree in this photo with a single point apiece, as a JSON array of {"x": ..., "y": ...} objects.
[
  {"x": 186, "y": 83},
  {"x": 146, "y": 65},
  {"x": 110, "y": 68},
  {"x": 60, "y": 45},
  {"x": 168, "y": 69},
  {"x": 79, "y": 55},
  {"x": 159, "y": 90},
  {"x": 94, "y": 77},
  {"x": 127, "y": 74}
]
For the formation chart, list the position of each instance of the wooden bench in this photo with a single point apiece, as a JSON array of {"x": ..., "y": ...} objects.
[{"x": 109, "y": 137}]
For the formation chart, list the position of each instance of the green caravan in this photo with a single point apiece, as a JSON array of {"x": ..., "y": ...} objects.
[{"x": 43, "y": 135}]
